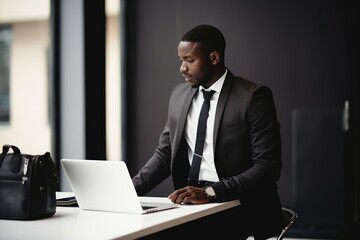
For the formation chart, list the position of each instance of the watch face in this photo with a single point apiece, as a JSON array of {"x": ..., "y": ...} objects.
[{"x": 210, "y": 191}]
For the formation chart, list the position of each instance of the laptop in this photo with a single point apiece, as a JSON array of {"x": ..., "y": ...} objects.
[{"x": 107, "y": 186}]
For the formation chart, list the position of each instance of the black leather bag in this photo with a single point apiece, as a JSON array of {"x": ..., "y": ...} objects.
[{"x": 27, "y": 185}]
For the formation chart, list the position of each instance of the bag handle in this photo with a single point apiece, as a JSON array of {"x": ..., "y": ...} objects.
[{"x": 15, "y": 161}]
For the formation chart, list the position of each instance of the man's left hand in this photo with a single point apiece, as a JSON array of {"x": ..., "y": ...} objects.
[{"x": 189, "y": 195}]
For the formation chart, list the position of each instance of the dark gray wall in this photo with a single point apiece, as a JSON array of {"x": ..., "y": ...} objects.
[{"x": 301, "y": 49}]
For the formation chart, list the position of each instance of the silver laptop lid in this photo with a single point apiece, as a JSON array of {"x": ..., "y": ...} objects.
[{"x": 102, "y": 185}]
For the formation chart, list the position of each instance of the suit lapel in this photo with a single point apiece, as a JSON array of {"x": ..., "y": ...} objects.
[
  {"x": 224, "y": 94},
  {"x": 183, "y": 115}
]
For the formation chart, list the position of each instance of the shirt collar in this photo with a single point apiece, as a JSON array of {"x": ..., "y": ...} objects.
[{"x": 218, "y": 84}]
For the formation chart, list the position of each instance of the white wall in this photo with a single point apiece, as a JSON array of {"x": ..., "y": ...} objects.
[{"x": 19, "y": 10}]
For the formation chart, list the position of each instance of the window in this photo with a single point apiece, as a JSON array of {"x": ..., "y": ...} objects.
[
  {"x": 24, "y": 75},
  {"x": 113, "y": 85},
  {"x": 5, "y": 45}
]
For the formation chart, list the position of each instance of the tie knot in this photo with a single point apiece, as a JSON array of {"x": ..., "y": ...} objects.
[{"x": 207, "y": 94}]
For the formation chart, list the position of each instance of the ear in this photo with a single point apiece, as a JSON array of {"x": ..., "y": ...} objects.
[{"x": 214, "y": 57}]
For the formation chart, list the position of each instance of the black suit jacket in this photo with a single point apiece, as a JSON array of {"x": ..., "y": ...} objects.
[{"x": 247, "y": 148}]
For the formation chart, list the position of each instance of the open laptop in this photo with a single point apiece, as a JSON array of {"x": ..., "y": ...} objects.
[{"x": 106, "y": 186}]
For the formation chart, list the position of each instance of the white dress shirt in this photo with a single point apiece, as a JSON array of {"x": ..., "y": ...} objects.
[{"x": 207, "y": 167}]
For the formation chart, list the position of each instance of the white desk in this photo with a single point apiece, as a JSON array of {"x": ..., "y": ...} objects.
[{"x": 72, "y": 223}]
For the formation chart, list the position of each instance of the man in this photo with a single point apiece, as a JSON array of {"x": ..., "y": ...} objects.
[{"x": 241, "y": 156}]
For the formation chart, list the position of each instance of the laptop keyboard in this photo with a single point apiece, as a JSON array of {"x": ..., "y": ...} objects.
[{"x": 147, "y": 207}]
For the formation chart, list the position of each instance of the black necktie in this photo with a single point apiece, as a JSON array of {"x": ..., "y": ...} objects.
[{"x": 200, "y": 138}]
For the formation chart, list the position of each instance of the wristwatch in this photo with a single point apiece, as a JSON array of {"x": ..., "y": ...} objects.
[{"x": 210, "y": 193}]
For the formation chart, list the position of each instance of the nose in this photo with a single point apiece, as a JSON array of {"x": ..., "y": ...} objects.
[{"x": 183, "y": 67}]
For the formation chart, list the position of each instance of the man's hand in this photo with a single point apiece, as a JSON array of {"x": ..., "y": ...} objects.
[{"x": 189, "y": 195}]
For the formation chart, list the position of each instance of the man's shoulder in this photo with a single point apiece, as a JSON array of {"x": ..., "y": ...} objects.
[
  {"x": 247, "y": 85},
  {"x": 243, "y": 83},
  {"x": 182, "y": 88}
]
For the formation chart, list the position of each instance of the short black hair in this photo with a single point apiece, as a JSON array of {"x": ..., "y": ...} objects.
[{"x": 208, "y": 36}]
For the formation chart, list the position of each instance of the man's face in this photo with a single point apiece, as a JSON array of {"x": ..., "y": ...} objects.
[{"x": 195, "y": 64}]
